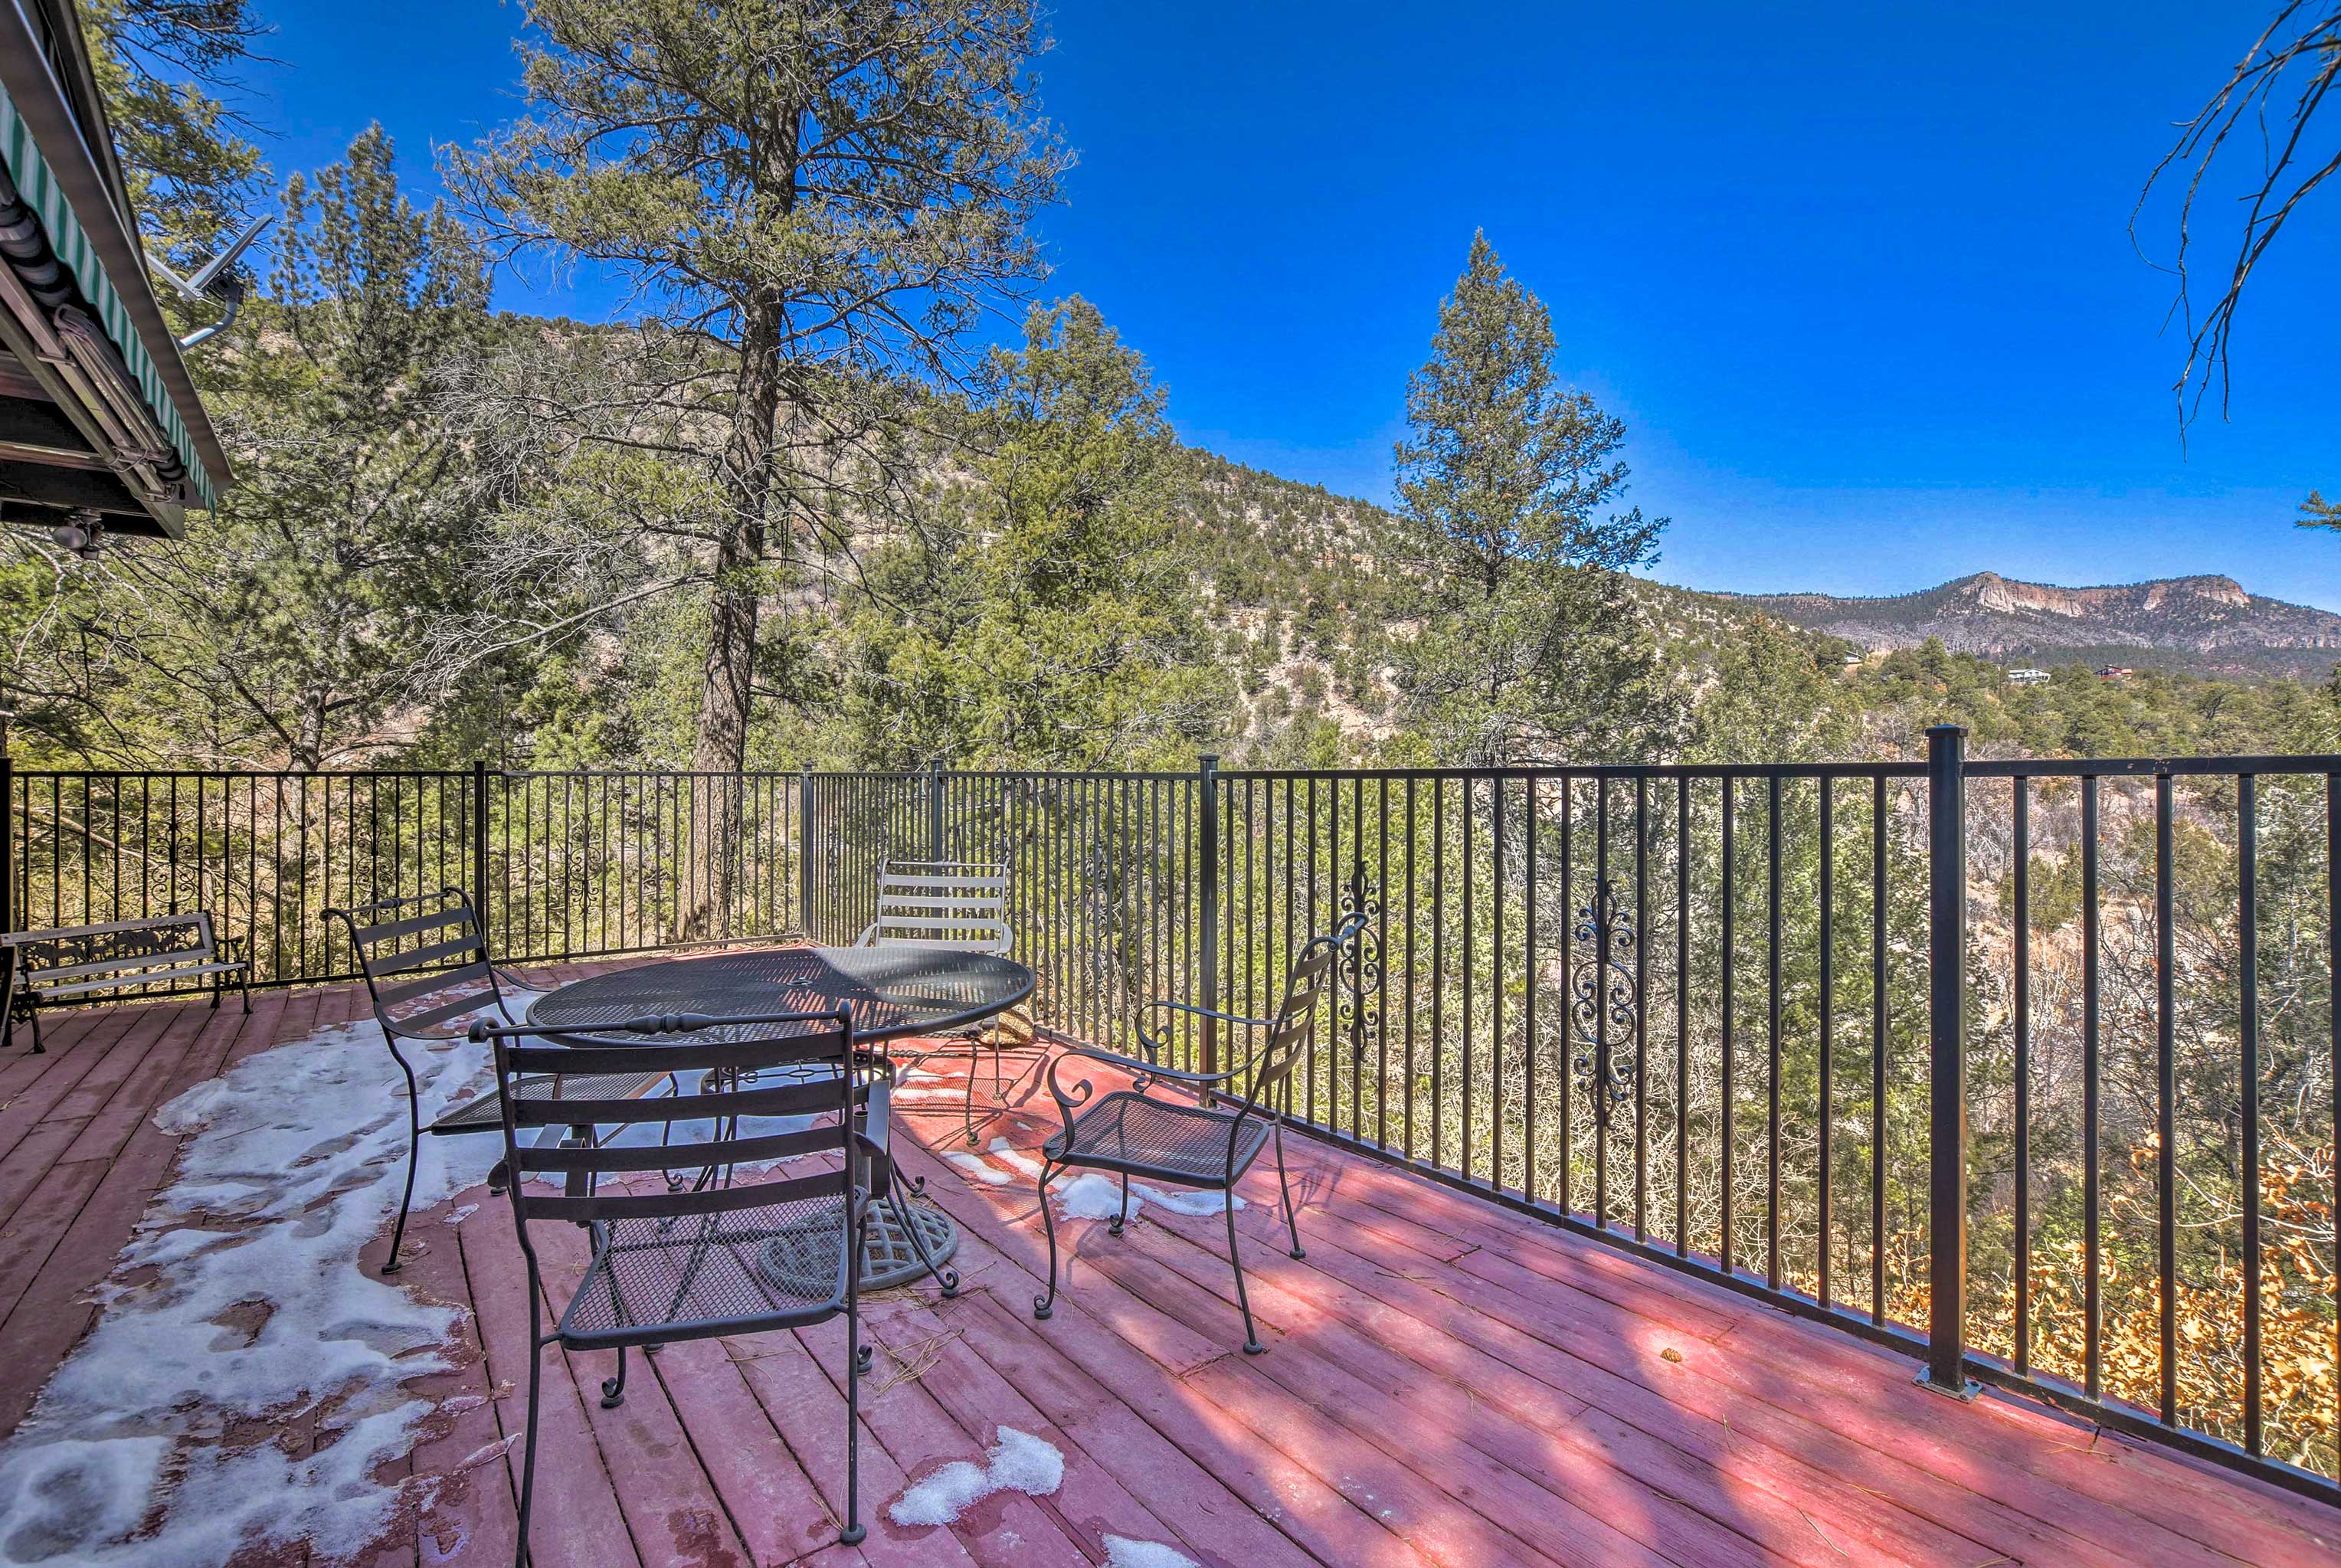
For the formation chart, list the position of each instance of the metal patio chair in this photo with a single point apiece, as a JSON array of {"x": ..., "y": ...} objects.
[
  {"x": 426, "y": 967},
  {"x": 1193, "y": 1144},
  {"x": 957, "y": 906},
  {"x": 671, "y": 1265}
]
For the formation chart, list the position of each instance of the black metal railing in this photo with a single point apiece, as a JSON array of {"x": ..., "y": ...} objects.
[
  {"x": 2025, "y": 1068},
  {"x": 562, "y": 864}
]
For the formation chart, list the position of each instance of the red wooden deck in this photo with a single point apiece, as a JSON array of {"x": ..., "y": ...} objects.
[{"x": 1448, "y": 1385}]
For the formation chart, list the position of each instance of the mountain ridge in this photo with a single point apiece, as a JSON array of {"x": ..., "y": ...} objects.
[{"x": 2207, "y": 624}]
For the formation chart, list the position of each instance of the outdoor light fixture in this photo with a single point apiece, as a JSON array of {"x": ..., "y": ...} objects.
[{"x": 82, "y": 534}]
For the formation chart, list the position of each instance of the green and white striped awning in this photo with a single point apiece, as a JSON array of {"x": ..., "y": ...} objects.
[{"x": 38, "y": 185}]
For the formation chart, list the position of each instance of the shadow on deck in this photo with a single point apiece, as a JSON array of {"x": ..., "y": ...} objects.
[{"x": 1448, "y": 1383}]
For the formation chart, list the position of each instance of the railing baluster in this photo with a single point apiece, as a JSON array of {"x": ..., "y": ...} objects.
[
  {"x": 1530, "y": 985},
  {"x": 2166, "y": 1093},
  {"x": 1413, "y": 846},
  {"x": 1567, "y": 1121},
  {"x": 1682, "y": 1016},
  {"x": 1729, "y": 1118},
  {"x": 1825, "y": 1229},
  {"x": 1642, "y": 1004},
  {"x": 1437, "y": 970},
  {"x": 1601, "y": 903},
  {"x": 1471, "y": 965},
  {"x": 1495, "y": 830},
  {"x": 1772, "y": 1033},
  {"x": 2021, "y": 917},
  {"x": 1878, "y": 1038},
  {"x": 2093, "y": 1306},
  {"x": 2248, "y": 1085}
]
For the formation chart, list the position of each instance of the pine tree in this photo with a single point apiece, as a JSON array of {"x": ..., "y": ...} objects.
[
  {"x": 814, "y": 195},
  {"x": 1532, "y": 647},
  {"x": 1040, "y": 618},
  {"x": 162, "y": 67},
  {"x": 287, "y": 628}
]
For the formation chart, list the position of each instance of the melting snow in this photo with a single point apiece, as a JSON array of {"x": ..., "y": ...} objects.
[
  {"x": 1018, "y": 1462},
  {"x": 1121, "y": 1552},
  {"x": 240, "y": 1299},
  {"x": 975, "y": 1165},
  {"x": 1093, "y": 1195}
]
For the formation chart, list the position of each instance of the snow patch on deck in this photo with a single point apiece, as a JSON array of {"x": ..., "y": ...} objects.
[
  {"x": 978, "y": 1168},
  {"x": 238, "y": 1317},
  {"x": 1019, "y": 1462},
  {"x": 1121, "y": 1552},
  {"x": 1094, "y": 1195}
]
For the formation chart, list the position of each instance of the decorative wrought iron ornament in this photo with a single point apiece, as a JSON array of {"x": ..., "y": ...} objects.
[
  {"x": 1606, "y": 943},
  {"x": 1356, "y": 1009}
]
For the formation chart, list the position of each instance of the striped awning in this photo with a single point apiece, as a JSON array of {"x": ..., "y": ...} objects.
[{"x": 38, "y": 185}]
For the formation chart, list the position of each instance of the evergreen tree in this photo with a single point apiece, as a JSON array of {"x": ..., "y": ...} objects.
[
  {"x": 1041, "y": 618},
  {"x": 162, "y": 67},
  {"x": 288, "y": 627},
  {"x": 816, "y": 196},
  {"x": 1532, "y": 647}
]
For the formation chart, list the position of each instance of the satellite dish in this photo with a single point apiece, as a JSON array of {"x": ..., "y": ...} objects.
[{"x": 215, "y": 282}]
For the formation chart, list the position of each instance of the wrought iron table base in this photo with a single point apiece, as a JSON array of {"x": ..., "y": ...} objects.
[{"x": 799, "y": 1259}]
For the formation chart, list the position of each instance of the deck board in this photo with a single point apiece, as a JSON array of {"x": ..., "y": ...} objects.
[{"x": 1449, "y": 1384}]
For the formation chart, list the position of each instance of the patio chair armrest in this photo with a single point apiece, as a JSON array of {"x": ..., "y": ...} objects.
[
  {"x": 1201, "y": 1012},
  {"x": 507, "y": 977},
  {"x": 1145, "y": 1073},
  {"x": 1155, "y": 1042}
]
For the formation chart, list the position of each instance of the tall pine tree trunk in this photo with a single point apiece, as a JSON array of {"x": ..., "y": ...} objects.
[{"x": 727, "y": 684}]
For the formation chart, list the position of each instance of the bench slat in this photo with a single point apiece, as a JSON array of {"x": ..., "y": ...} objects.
[
  {"x": 63, "y": 972},
  {"x": 199, "y": 918},
  {"x": 120, "y": 983}
]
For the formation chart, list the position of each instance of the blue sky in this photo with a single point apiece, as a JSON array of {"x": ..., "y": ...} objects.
[{"x": 1857, "y": 277}]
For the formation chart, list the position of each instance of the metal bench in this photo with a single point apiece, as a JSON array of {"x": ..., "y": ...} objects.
[{"x": 78, "y": 964}]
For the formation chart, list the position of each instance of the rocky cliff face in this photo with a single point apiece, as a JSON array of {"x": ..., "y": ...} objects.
[{"x": 2209, "y": 624}]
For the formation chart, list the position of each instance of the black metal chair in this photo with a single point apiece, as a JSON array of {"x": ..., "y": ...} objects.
[
  {"x": 719, "y": 1259},
  {"x": 426, "y": 967},
  {"x": 1199, "y": 1144}
]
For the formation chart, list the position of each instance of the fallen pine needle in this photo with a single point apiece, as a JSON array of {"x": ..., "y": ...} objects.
[{"x": 917, "y": 1362}]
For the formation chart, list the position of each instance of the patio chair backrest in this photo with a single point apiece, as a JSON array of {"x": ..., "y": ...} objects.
[
  {"x": 957, "y": 906},
  {"x": 425, "y": 962},
  {"x": 808, "y": 1066},
  {"x": 1288, "y": 1031}
]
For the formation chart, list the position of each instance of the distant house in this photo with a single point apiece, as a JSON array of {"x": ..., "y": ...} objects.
[
  {"x": 2027, "y": 677},
  {"x": 2114, "y": 672},
  {"x": 100, "y": 427}
]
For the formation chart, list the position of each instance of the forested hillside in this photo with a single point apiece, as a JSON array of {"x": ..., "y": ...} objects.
[{"x": 458, "y": 533}]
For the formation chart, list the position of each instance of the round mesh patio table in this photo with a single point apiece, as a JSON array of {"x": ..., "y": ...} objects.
[
  {"x": 892, "y": 991},
  {"x": 889, "y": 991}
]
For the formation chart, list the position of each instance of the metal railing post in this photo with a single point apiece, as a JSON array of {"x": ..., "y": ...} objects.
[
  {"x": 1947, "y": 1145},
  {"x": 804, "y": 851},
  {"x": 8, "y": 843},
  {"x": 480, "y": 844},
  {"x": 1207, "y": 786},
  {"x": 935, "y": 808}
]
